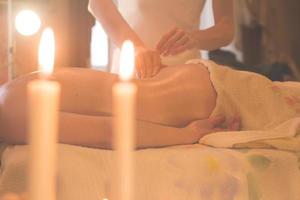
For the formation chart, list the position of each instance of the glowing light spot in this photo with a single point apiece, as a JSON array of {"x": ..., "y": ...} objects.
[
  {"x": 27, "y": 22},
  {"x": 99, "y": 47}
]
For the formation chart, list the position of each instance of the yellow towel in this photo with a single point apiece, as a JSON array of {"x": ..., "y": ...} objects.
[{"x": 269, "y": 111}]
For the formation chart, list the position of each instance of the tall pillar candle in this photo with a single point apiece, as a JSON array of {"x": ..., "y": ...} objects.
[
  {"x": 43, "y": 106},
  {"x": 124, "y": 101}
]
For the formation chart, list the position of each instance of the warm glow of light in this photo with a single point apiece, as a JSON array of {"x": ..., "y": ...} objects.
[
  {"x": 47, "y": 51},
  {"x": 127, "y": 61},
  {"x": 99, "y": 47},
  {"x": 27, "y": 22}
]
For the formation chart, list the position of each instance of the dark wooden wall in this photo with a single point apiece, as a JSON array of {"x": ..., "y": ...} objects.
[{"x": 276, "y": 33}]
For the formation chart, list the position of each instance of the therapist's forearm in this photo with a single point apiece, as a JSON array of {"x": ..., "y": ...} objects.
[
  {"x": 112, "y": 21},
  {"x": 215, "y": 37}
]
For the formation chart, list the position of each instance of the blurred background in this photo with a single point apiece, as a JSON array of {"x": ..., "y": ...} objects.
[{"x": 266, "y": 40}]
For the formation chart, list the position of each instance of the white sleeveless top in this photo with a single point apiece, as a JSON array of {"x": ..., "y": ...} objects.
[{"x": 151, "y": 19}]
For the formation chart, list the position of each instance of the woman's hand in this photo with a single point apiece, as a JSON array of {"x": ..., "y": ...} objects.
[
  {"x": 212, "y": 125},
  {"x": 148, "y": 62},
  {"x": 176, "y": 41}
]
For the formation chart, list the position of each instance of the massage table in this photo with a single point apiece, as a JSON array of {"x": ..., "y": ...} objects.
[
  {"x": 260, "y": 162},
  {"x": 189, "y": 172}
]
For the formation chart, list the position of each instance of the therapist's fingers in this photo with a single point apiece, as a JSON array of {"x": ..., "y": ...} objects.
[
  {"x": 147, "y": 62},
  {"x": 184, "y": 39},
  {"x": 148, "y": 66},
  {"x": 165, "y": 38},
  {"x": 153, "y": 64},
  {"x": 143, "y": 66},
  {"x": 138, "y": 67},
  {"x": 140, "y": 62},
  {"x": 180, "y": 47},
  {"x": 172, "y": 41},
  {"x": 157, "y": 66}
]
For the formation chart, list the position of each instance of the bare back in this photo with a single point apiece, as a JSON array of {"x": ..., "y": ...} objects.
[{"x": 175, "y": 97}]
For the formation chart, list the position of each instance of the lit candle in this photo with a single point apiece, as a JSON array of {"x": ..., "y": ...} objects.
[
  {"x": 124, "y": 97},
  {"x": 43, "y": 106}
]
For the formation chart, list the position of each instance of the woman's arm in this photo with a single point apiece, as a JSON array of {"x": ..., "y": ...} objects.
[
  {"x": 112, "y": 21},
  {"x": 221, "y": 34},
  {"x": 96, "y": 131},
  {"x": 148, "y": 61}
]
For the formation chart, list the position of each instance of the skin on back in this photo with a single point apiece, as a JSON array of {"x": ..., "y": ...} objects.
[{"x": 175, "y": 97}]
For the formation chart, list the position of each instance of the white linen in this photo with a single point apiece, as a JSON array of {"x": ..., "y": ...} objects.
[{"x": 183, "y": 172}]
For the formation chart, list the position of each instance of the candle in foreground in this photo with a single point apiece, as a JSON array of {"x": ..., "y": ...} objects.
[
  {"x": 43, "y": 105},
  {"x": 124, "y": 98}
]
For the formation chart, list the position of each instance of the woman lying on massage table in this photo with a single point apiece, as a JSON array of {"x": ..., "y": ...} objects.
[{"x": 172, "y": 108}]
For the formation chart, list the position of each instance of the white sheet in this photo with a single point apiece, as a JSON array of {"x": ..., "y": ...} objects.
[{"x": 184, "y": 172}]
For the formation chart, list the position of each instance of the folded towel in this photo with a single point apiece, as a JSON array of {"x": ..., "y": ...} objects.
[{"x": 269, "y": 111}]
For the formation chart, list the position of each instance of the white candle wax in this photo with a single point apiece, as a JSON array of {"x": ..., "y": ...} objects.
[
  {"x": 124, "y": 101},
  {"x": 124, "y": 132},
  {"x": 43, "y": 102},
  {"x": 43, "y": 108}
]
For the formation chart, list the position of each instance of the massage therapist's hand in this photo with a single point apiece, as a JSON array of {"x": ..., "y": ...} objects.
[
  {"x": 176, "y": 41},
  {"x": 148, "y": 62},
  {"x": 213, "y": 124}
]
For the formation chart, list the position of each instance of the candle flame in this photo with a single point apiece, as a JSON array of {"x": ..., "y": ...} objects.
[
  {"x": 127, "y": 61},
  {"x": 47, "y": 52}
]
